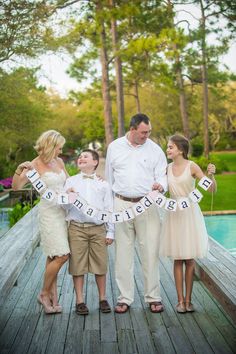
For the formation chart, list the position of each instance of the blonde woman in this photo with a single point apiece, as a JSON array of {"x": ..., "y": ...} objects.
[{"x": 53, "y": 228}]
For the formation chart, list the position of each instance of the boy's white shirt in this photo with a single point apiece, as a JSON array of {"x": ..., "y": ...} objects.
[{"x": 97, "y": 193}]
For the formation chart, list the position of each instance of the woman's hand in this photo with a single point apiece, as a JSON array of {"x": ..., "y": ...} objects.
[{"x": 27, "y": 165}]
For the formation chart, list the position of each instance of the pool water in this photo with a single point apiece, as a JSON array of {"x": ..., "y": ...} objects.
[
  {"x": 4, "y": 222},
  {"x": 223, "y": 229}
]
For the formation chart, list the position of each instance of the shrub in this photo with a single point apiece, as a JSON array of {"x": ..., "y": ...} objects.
[
  {"x": 19, "y": 210},
  {"x": 202, "y": 161},
  {"x": 197, "y": 149},
  {"x": 72, "y": 169}
]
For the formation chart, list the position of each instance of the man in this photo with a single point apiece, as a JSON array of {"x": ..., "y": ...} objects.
[{"x": 135, "y": 165}]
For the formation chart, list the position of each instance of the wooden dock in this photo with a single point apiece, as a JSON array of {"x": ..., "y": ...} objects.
[{"x": 24, "y": 328}]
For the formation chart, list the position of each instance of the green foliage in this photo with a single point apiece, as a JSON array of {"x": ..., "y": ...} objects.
[
  {"x": 197, "y": 149},
  {"x": 19, "y": 210},
  {"x": 22, "y": 27},
  {"x": 229, "y": 158},
  {"x": 72, "y": 169},
  {"x": 202, "y": 161},
  {"x": 224, "y": 198},
  {"x": 24, "y": 114}
]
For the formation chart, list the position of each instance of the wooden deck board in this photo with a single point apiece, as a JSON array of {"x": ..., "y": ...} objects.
[{"x": 24, "y": 328}]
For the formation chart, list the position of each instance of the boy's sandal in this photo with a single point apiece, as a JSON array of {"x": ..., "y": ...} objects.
[
  {"x": 124, "y": 307},
  {"x": 81, "y": 309},
  {"x": 156, "y": 303},
  {"x": 104, "y": 306}
]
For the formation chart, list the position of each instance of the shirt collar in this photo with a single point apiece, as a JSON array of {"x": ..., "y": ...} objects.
[{"x": 129, "y": 143}]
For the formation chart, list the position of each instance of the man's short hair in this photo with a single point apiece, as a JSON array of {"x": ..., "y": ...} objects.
[{"x": 137, "y": 119}]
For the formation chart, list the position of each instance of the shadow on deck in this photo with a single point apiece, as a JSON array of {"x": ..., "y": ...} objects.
[{"x": 24, "y": 328}]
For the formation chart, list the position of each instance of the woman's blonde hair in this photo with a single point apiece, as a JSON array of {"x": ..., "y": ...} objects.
[{"x": 47, "y": 143}]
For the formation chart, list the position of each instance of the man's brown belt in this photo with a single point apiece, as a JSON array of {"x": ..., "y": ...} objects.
[{"x": 127, "y": 199}]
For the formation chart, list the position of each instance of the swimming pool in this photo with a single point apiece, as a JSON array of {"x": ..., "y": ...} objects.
[{"x": 223, "y": 229}]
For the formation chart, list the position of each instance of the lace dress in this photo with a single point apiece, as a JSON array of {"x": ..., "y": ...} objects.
[
  {"x": 52, "y": 224},
  {"x": 184, "y": 234}
]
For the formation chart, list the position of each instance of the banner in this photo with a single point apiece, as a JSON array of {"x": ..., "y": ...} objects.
[{"x": 153, "y": 197}]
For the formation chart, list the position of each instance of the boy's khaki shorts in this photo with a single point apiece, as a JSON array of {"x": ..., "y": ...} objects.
[{"x": 88, "y": 249}]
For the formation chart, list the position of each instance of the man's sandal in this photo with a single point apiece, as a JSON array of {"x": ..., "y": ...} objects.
[
  {"x": 123, "y": 306},
  {"x": 81, "y": 309},
  {"x": 156, "y": 303}
]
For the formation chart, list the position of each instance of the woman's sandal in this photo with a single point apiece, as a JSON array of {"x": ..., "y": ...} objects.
[
  {"x": 156, "y": 303},
  {"x": 48, "y": 309},
  {"x": 124, "y": 307},
  {"x": 81, "y": 309}
]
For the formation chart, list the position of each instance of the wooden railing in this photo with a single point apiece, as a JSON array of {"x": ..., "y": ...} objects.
[
  {"x": 16, "y": 246},
  {"x": 218, "y": 273}
]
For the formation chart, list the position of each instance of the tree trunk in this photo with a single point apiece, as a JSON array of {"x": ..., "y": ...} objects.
[
  {"x": 180, "y": 83},
  {"x": 182, "y": 101},
  {"x": 136, "y": 95},
  {"x": 204, "y": 84},
  {"x": 105, "y": 83},
  {"x": 119, "y": 80}
]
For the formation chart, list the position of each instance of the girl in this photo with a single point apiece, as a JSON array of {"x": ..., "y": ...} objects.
[
  {"x": 52, "y": 224},
  {"x": 184, "y": 235}
]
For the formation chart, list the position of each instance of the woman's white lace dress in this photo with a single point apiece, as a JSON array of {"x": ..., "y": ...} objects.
[{"x": 52, "y": 224}]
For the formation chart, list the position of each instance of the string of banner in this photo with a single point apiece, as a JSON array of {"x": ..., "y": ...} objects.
[{"x": 151, "y": 198}]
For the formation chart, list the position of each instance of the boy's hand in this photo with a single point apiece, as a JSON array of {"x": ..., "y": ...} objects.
[
  {"x": 109, "y": 241},
  {"x": 70, "y": 190},
  {"x": 211, "y": 169}
]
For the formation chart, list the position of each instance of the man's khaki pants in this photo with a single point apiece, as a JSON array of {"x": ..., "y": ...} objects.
[{"x": 146, "y": 229}]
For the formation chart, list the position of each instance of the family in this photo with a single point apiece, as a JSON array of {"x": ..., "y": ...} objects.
[{"x": 135, "y": 166}]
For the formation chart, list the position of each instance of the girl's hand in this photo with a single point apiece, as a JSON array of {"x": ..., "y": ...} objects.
[{"x": 211, "y": 169}]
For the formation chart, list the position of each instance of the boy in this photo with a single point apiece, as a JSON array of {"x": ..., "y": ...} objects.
[{"x": 88, "y": 236}]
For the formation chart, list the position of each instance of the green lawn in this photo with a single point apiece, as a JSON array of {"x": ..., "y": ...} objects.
[
  {"x": 224, "y": 198},
  {"x": 228, "y": 157}
]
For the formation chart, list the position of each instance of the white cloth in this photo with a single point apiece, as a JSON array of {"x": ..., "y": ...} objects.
[
  {"x": 131, "y": 171},
  {"x": 52, "y": 223},
  {"x": 184, "y": 234},
  {"x": 96, "y": 193}
]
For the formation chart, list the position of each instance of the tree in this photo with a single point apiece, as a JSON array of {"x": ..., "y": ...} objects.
[
  {"x": 24, "y": 115},
  {"x": 22, "y": 27}
]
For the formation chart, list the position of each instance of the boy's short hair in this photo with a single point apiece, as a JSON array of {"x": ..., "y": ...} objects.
[{"x": 94, "y": 154}]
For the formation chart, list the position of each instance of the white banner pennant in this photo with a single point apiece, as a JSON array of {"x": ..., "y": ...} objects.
[
  {"x": 171, "y": 204},
  {"x": 205, "y": 183},
  {"x": 183, "y": 203}
]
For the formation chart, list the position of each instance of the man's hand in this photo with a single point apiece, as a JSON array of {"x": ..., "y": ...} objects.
[{"x": 109, "y": 241}]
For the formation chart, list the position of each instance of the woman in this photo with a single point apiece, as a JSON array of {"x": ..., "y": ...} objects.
[{"x": 52, "y": 224}]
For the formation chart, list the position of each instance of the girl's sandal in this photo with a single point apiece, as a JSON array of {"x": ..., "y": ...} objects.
[
  {"x": 189, "y": 307},
  {"x": 180, "y": 307}
]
